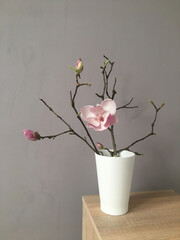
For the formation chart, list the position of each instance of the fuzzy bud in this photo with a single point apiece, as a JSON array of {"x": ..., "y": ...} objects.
[
  {"x": 99, "y": 145},
  {"x": 79, "y": 66},
  {"x": 31, "y": 135}
]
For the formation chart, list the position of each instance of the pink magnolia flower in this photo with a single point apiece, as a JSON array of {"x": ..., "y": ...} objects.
[
  {"x": 31, "y": 135},
  {"x": 100, "y": 117},
  {"x": 79, "y": 66}
]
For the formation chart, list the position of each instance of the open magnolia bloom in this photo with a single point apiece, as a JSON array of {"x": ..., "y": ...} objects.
[{"x": 100, "y": 117}]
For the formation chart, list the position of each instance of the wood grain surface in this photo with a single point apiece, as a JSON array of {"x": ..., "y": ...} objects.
[{"x": 153, "y": 215}]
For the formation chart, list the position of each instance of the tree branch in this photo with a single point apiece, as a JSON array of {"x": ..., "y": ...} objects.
[
  {"x": 58, "y": 116},
  {"x": 148, "y": 135},
  {"x": 71, "y": 130},
  {"x": 113, "y": 140},
  {"x": 77, "y": 114},
  {"x": 127, "y": 105},
  {"x": 113, "y": 90},
  {"x": 106, "y": 76},
  {"x": 56, "y": 135}
]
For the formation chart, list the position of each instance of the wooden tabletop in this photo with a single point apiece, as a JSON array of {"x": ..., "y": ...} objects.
[{"x": 153, "y": 215}]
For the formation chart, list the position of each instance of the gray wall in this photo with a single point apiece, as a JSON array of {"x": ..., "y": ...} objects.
[{"x": 41, "y": 183}]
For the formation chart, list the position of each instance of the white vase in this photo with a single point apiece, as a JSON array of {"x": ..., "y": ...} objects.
[{"x": 114, "y": 181}]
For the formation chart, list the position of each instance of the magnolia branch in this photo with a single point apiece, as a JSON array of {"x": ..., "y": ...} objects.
[
  {"x": 127, "y": 105},
  {"x": 113, "y": 140},
  {"x": 77, "y": 86},
  {"x": 56, "y": 135},
  {"x": 148, "y": 135},
  {"x": 113, "y": 90},
  {"x": 111, "y": 152},
  {"x": 77, "y": 114},
  {"x": 106, "y": 75},
  {"x": 70, "y": 131},
  {"x": 50, "y": 109},
  {"x": 106, "y": 80}
]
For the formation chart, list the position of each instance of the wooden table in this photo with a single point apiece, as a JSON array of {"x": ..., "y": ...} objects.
[{"x": 152, "y": 215}]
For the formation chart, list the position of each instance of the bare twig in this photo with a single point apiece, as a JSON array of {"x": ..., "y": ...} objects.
[
  {"x": 104, "y": 87},
  {"x": 56, "y": 135},
  {"x": 109, "y": 151},
  {"x": 50, "y": 109},
  {"x": 79, "y": 85},
  {"x": 113, "y": 90},
  {"x": 77, "y": 114},
  {"x": 127, "y": 105},
  {"x": 71, "y": 130},
  {"x": 148, "y": 135},
  {"x": 113, "y": 140},
  {"x": 106, "y": 80}
]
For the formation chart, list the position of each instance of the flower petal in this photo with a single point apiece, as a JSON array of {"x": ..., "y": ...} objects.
[
  {"x": 86, "y": 113},
  {"x": 113, "y": 120},
  {"x": 30, "y": 135},
  {"x": 93, "y": 121},
  {"x": 105, "y": 116},
  {"x": 97, "y": 110},
  {"x": 101, "y": 127},
  {"x": 109, "y": 106},
  {"x": 108, "y": 121}
]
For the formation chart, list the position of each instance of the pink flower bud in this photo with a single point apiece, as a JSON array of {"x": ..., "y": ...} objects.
[
  {"x": 30, "y": 135},
  {"x": 79, "y": 66},
  {"x": 99, "y": 145}
]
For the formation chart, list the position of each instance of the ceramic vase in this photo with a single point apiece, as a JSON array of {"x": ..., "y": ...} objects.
[{"x": 114, "y": 176}]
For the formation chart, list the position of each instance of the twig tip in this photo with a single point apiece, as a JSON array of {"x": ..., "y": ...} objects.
[{"x": 162, "y": 105}]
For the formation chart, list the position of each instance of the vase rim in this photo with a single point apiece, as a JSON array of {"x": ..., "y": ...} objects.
[{"x": 122, "y": 154}]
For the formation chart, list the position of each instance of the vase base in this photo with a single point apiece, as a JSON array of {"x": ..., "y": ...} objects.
[{"x": 114, "y": 212}]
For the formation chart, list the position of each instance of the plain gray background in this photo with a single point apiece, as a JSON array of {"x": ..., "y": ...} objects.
[{"x": 41, "y": 183}]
